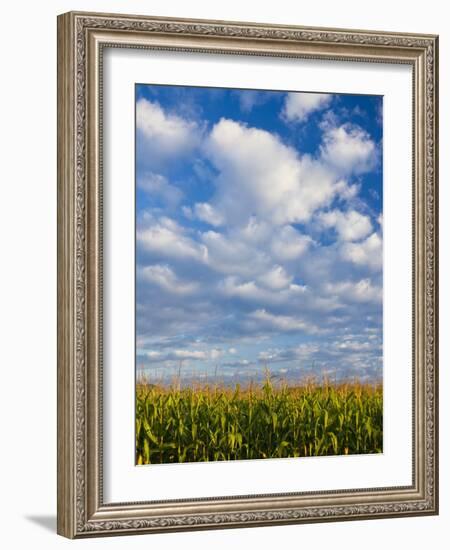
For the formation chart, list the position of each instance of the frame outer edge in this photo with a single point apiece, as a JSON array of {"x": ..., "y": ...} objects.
[
  {"x": 75, "y": 206},
  {"x": 436, "y": 271},
  {"x": 65, "y": 280}
]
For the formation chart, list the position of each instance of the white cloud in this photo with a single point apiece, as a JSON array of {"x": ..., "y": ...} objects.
[
  {"x": 215, "y": 353},
  {"x": 169, "y": 239},
  {"x": 346, "y": 191},
  {"x": 256, "y": 232},
  {"x": 187, "y": 212},
  {"x": 252, "y": 292},
  {"x": 348, "y": 149},
  {"x": 360, "y": 291},
  {"x": 345, "y": 357},
  {"x": 350, "y": 226},
  {"x": 248, "y": 290},
  {"x": 207, "y": 213},
  {"x": 228, "y": 254},
  {"x": 164, "y": 133},
  {"x": 153, "y": 356},
  {"x": 276, "y": 278},
  {"x": 366, "y": 253},
  {"x": 262, "y": 177},
  {"x": 164, "y": 277},
  {"x": 302, "y": 352},
  {"x": 157, "y": 185},
  {"x": 288, "y": 244},
  {"x": 282, "y": 322},
  {"x": 250, "y": 98},
  {"x": 299, "y": 105},
  {"x": 238, "y": 363},
  {"x": 354, "y": 346}
]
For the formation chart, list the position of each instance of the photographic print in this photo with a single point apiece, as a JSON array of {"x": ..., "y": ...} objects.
[{"x": 258, "y": 274}]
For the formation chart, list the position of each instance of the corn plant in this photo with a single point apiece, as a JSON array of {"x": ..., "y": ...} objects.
[{"x": 212, "y": 423}]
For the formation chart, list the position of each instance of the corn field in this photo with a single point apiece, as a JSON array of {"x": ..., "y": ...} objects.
[{"x": 176, "y": 424}]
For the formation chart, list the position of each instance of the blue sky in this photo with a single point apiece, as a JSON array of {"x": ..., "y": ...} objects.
[{"x": 258, "y": 233}]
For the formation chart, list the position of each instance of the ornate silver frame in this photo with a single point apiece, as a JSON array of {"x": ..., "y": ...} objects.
[{"x": 81, "y": 39}]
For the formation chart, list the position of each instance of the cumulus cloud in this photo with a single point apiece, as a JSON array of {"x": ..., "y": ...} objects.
[
  {"x": 282, "y": 323},
  {"x": 228, "y": 254},
  {"x": 162, "y": 135},
  {"x": 366, "y": 253},
  {"x": 250, "y": 291},
  {"x": 261, "y": 176},
  {"x": 344, "y": 358},
  {"x": 353, "y": 346},
  {"x": 207, "y": 213},
  {"x": 164, "y": 277},
  {"x": 246, "y": 290},
  {"x": 288, "y": 244},
  {"x": 153, "y": 356},
  {"x": 168, "y": 239},
  {"x": 347, "y": 192},
  {"x": 158, "y": 187},
  {"x": 360, "y": 291},
  {"x": 236, "y": 364},
  {"x": 348, "y": 149},
  {"x": 276, "y": 278},
  {"x": 255, "y": 231},
  {"x": 350, "y": 225},
  {"x": 275, "y": 355},
  {"x": 248, "y": 99},
  {"x": 299, "y": 105}
]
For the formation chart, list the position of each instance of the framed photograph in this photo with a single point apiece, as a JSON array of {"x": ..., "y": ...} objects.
[{"x": 247, "y": 274}]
